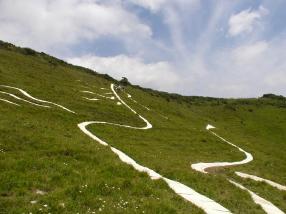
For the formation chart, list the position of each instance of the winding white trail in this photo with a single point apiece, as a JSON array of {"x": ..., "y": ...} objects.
[
  {"x": 147, "y": 108},
  {"x": 130, "y": 97},
  {"x": 256, "y": 178},
  {"x": 27, "y": 101},
  {"x": 201, "y": 201},
  {"x": 35, "y": 99},
  {"x": 91, "y": 99},
  {"x": 201, "y": 167},
  {"x": 267, "y": 206},
  {"x": 90, "y": 92},
  {"x": 7, "y": 101}
]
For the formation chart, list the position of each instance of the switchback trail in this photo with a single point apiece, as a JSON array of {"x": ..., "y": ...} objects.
[{"x": 201, "y": 201}]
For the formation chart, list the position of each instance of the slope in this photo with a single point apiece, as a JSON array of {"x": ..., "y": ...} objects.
[{"x": 49, "y": 164}]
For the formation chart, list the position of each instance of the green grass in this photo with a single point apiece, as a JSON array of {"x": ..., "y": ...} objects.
[{"x": 45, "y": 150}]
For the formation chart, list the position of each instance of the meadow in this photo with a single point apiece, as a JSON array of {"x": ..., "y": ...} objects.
[{"x": 49, "y": 166}]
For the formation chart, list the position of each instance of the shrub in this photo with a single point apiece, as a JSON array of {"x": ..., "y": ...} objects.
[
  {"x": 124, "y": 81},
  {"x": 29, "y": 51},
  {"x": 273, "y": 96}
]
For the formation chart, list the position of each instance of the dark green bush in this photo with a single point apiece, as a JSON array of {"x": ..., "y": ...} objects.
[
  {"x": 273, "y": 96},
  {"x": 124, "y": 81},
  {"x": 29, "y": 51}
]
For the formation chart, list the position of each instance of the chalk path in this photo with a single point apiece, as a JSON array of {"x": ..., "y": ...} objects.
[
  {"x": 19, "y": 98},
  {"x": 267, "y": 206},
  {"x": 201, "y": 201},
  {"x": 112, "y": 98},
  {"x": 147, "y": 108},
  {"x": 201, "y": 167},
  {"x": 91, "y": 99},
  {"x": 256, "y": 178},
  {"x": 90, "y": 92},
  {"x": 130, "y": 97},
  {"x": 7, "y": 101},
  {"x": 32, "y": 98}
]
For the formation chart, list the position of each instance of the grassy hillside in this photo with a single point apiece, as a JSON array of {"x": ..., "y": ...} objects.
[{"x": 42, "y": 149}]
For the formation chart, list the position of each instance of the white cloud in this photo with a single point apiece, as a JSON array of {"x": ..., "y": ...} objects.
[
  {"x": 49, "y": 25},
  {"x": 247, "y": 53},
  {"x": 245, "y": 21},
  {"x": 189, "y": 58},
  {"x": 249, "y": 70},
  {"x": 159, "y": 75}
]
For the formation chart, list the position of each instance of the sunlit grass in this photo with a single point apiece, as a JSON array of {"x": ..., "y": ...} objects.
[{"x": 43, "y": 149}]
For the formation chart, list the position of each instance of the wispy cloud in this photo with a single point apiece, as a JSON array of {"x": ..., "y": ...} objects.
[
  {"x": 217, "y": 48},
  {"x": 138, "y": 72},
  {"x": 55, "y": 25},
  {"x": 245, "y": 21},
  {"x": 250, "y": 70}
]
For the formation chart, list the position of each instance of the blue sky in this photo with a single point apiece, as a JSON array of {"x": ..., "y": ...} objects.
[{"x": 216, "y": 48}]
